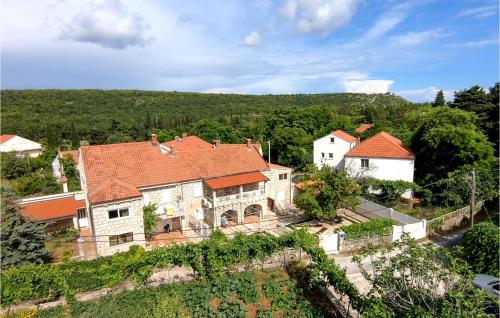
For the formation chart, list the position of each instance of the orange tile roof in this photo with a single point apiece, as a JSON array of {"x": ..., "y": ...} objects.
[
  {"x": 112, "y": 188},
  {"x": 363, "y": 127},
  {"x": 140, "y": 164},
  {"x": 188, "y": 143},
  {"x": 4, "y": 138},
  {"x": 275, "y": 166},
  {"x": 73, "y": 153},
  {"x": 344, "y": 135},
  {"x": 52, "y": 209},
  {"x": 229, "y": 181},
  {"x": 382, "y": 145}
]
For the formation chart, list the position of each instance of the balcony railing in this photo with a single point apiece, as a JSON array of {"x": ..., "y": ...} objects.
[{"x": 240, "y": 196}]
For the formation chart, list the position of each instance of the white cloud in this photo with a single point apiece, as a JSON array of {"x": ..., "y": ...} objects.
[
  {"x": 477, "y": 43},
  {"x": 427, "y": 94},
  {"x": 108, "y": 25},
  {"x": 319, "y": 16},
  {"x": 479, "y": 12},
  {"x": 367, "y": 86},
  {"x": 414, "y": 38},
  {"x": 253, "y": 39}
]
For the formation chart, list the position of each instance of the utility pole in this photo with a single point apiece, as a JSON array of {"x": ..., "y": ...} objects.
[
  {"x": 269, "y": 151},
  {"x": 472, "y": 196}
]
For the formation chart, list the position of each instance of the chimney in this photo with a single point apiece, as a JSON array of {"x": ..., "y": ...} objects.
[
  {"x": 177, "y": 138},
  {"x": 64, "y": 182},
  {"x": 216, "y": 143},
  {"x": 184, "y": 135},
  {"x": 172, "y": 150},
  {"x": 248, "y": 142},
  {"x": 154, "y": 140}
]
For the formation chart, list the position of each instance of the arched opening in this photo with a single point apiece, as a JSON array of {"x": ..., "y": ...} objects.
[
  {"x": 229, "y": 218},
  {"x": 252, "y": 213}
]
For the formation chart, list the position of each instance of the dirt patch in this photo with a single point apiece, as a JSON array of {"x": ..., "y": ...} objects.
[
  {"x": 251, "y": 310},
  {"x": 264, "y": 303},
  {"x": 215, "y": 303}
]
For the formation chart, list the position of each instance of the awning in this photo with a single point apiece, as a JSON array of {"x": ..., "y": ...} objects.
[
  {"x": 52, "y": 208},
  {"x": 238, "y": 179}
]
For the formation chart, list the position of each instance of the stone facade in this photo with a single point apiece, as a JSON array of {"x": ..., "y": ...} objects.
[
  {"x": 279, "y": 190},
  {"x": 103, "y": 227}
]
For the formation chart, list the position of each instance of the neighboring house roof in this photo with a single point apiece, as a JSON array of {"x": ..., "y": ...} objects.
[
  {"x": 229, "y": 181},
  {"x": 112, "y": 188},
  {"x": 363, "y": 127},
  {"x": 10, "y": 143},
  {"x": 4, "y": 138},
  {"x": 52, "y": 209},
  {"x": 140, "y": 165},
  {"x": 275, "y": 166},
  {"x": 73, "y": 153},
  {"x": 344, "y": 135},
  {"x": 382, "y": 145},
  {"x": 188, "y": 143}
]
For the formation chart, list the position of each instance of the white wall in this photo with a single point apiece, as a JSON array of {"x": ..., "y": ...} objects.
[
  {"x": 339, "y": 148},
  {"x": 22, "y": 147},
  {"x": 416, "y": 230},
  {"x": 381, "y": 168}
]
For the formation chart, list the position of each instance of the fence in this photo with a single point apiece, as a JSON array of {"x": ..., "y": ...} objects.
[
  {"x": 451, "y": 220},
  {"x": 373, "y": 210}
]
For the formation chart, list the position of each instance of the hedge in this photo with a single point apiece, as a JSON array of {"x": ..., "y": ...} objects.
[
  {"x": 371, "y": 228},
  {"x": 213, "y": 257}
]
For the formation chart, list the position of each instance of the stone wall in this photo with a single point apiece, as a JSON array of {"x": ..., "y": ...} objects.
[
  {"x": 105, "y": 227},
  {"x": 279, "y": 190}
]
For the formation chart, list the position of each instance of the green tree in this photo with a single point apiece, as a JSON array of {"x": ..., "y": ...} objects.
[
  {"x": 484, "y": 105},
  {"x": 14, "y": 167},
  {"x": 51, "y": 136},
  {"x": 150, "y": 219},
  {"x": 75, "y": 137},
  {"x": 412, "y": 280},
  {"x": 439, "y": 100},
  {"x": 291, "y": 147},
  {"x": 71, "y": 172},
  {"x": 117, "y": 138},
  {"x": 326, "y": 191},
  {"x": 447, "y": 139},
  {"x": 22, "y": 240},
  {"x": 479, "y": 247}
]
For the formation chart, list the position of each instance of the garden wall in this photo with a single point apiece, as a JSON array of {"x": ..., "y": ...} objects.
[{"x": 451, "y": 220}]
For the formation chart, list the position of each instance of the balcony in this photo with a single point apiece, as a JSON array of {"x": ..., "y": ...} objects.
[
  {"x": 170, "y": 210},
  {"x": 238, "y": 196}
]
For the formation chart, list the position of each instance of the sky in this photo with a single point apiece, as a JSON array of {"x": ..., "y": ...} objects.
[{"x": 411, "y": 48}]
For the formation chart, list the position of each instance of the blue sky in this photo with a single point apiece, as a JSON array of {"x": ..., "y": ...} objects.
[{"x": 411, "y": 48}]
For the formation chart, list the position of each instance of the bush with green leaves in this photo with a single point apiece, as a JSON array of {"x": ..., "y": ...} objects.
[
  {"x": 375, "y": 227},
  {"x": 385, "y": 192},
  {"x": 150, "y": 219},
  {"x": 479, "y": 247}
]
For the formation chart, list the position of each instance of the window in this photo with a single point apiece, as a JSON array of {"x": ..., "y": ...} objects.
[
  {"x": 330, "y": 155},
  {"x": 283, "y": 176},
  {"x": 118, "y": 213},
  {"x": 121, "y": 239},
  {"x": 227, "y": 191},
  {"x": 332, "y": 140},
  {"x": 81, "y": 213},
  {"x": 251, "y": 187},
  {"x": 322, "y": 155},
  {"x": 365, "y": 163}
]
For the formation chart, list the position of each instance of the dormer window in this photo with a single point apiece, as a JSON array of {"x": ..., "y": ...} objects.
[{"x": 332, "y": 140}]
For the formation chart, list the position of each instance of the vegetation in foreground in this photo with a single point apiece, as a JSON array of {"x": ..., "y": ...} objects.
[{"x": 250, "y": 294}]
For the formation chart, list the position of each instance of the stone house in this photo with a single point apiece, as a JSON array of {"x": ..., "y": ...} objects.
[{"x": 192, "y": 183}]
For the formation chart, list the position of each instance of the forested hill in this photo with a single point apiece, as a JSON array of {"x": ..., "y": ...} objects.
[{"x": 29, "y": 112}]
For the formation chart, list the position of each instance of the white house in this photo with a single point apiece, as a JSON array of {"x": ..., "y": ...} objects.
[
  {"x": 382, "y": 157},
  {"x": 330, "y": 149},
  {"x": 19, "y": 145}
]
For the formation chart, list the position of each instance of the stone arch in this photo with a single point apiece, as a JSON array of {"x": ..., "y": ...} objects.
[
  {"x": 252, "y": 213},
  {"x": 228, "y": 218}
]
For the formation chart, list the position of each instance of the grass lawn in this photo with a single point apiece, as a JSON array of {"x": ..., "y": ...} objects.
[
  {"x": 61, "y": 251},
  {"x": 270, "y": 293}
]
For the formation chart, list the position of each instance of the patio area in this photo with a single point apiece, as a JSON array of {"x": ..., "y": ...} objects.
[{"x": 164, "y": 239}]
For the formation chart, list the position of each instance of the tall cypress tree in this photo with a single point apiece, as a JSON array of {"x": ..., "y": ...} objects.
[
  {"x": 51, "y": 136},
  {"x": 439, "y": 100},
  {"x": 22, "y": 240},
  {"x": 75, "y": 137}
]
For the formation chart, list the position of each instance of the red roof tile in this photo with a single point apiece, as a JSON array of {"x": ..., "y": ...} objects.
[
  {"x": 4, "y": 138},
  {"x": 363, "y": 127},
  {"x": 344, "y": 135},
  {"x": 275, "y": 166},
  {"x": 52, "y": 209},
  {"x": 188, "y": 143},
  {"x": 141, "y": 164},
  {"x": 382, "y": 145},
  {"x": 72, "y": 153},
  {"x": 229, "y": 181},
  {"x": 112, "y": 188}
]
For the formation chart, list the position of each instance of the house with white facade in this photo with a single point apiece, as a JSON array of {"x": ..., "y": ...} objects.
[
  {"x": 330, "y": 149},
  {"x": 20, "y": 146},
  {"x": 192, "y": 183},
  {"x": 381, "y": 156}
]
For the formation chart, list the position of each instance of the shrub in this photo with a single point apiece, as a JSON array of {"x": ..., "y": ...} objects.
[
  {"x": 479, "y": 247},
  {"x": 371, "y": 228}
]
